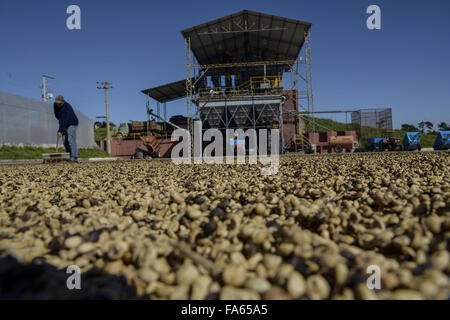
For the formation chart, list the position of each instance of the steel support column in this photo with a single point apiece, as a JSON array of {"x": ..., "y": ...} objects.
[{"x": 280, "y": 125}]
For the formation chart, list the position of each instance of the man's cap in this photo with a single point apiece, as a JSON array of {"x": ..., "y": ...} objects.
[{"x": 59, "y": 99}]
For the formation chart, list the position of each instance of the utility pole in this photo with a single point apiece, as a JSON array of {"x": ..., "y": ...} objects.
[
  {"x": 44, "y": 90},
  {"x": 105, "y": 86}
]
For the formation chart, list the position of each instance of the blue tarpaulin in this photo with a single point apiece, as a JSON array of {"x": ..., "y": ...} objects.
[
  {"x": 411, "y": 141},
  {"x": 442, "y": 141},
  {"x": 374, "y": 142}
]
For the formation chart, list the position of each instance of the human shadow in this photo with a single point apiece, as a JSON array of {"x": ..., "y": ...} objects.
[{"x": 42, "y": 281}]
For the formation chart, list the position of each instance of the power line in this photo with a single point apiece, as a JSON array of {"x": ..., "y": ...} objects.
[{"x": 105, "y": 86}]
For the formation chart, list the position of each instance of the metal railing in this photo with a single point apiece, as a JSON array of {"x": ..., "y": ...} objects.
[{"x": 258, "y": 85}]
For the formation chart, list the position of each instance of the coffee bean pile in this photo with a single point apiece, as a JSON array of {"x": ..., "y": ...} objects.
[{"x": 154, "y": 229}]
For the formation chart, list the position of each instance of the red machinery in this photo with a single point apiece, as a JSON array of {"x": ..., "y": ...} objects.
[
  {"x": 341, "y": 143},
  {"x": 148, "y": 149}
]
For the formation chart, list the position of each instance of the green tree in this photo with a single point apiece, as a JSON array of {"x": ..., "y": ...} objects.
[
  {"x": 443, "y": 126},
  {"x": 421, "y": 126},
  {"x": 429, "y": 126},
  {"x": 409, "y": 127}
]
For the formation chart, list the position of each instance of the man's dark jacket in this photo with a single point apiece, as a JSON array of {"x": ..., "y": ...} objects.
[{"x": 66, "y": 116}]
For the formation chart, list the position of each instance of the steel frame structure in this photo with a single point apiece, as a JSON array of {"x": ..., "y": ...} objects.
[
  {"x": 232, "y": 110},
  {"x": 372, "y": 122},
  {"x": 164, "y": 110},
  {"x": 300, "y": 81}
]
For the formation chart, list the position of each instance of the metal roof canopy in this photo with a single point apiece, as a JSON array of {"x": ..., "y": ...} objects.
[
  {"x": 167, "y": 92},
  {"x": 276, "y": 38}
]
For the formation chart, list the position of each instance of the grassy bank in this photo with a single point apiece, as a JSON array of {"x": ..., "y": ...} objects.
[
  {"x": 426, "y": 140},
  {"x": 99, "y": 134},
  {"x": 324, "y": 124},
  {"x": 15, "y": 153}
]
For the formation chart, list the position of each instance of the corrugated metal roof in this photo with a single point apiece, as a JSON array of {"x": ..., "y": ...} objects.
[
  {"x": 167, "y": 92},
  {"x": 257, "y": 36}
]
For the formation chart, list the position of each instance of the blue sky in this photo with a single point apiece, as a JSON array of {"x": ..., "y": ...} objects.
[{"x": 137, "y": 44}]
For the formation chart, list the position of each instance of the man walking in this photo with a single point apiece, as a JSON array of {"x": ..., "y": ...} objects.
[{"x": 68, "y": 124}]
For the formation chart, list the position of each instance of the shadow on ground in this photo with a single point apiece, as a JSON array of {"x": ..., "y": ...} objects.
[{"x": 43, "y": 281}]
